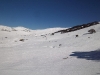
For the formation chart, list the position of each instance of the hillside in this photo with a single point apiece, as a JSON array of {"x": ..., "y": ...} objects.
[{"x": 37, "y": 52}]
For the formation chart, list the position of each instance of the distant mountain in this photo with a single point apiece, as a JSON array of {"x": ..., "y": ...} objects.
[
  {"x": 6, "y": 28},
  {"x": 22, "y": 29},
  {"x": 9, "y": 29}
]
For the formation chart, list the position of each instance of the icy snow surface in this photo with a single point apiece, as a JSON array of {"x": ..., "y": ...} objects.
[{"x": 41, "y": 53}]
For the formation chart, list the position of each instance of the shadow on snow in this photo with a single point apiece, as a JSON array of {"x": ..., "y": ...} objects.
[{"x": 92, "y": 55}]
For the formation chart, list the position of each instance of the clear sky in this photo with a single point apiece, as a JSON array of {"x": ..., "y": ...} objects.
[{"x": 41, "y": 14}]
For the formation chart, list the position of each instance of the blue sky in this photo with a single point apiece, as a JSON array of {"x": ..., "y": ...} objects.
[{"x": 41, "y": 14}]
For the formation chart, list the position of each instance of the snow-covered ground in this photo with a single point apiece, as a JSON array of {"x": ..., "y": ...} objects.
[{"x": 59, "y": 54}]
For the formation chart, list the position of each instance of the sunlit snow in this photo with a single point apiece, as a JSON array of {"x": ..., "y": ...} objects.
[{"x": 41, "y": 53}]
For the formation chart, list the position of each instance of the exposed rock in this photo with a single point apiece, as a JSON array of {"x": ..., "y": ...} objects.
[
  {"x": 21, "y": 40},
  {"x": 91, "y": 31},
  {"x": 76, "y": 35},
  {"x": 77, "y": 27},
  {"x": 5, "y": 37}
]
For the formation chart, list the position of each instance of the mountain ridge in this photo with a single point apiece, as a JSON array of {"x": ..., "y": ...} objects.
[{"x": 77, "y": 27}]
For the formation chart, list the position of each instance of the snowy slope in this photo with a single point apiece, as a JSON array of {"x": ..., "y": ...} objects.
[
  {"x": 59, "y": 54},
  {"x": 10, "y": 35}
]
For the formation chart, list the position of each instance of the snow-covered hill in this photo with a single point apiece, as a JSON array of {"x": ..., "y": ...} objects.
[
  {"x": 39, "y": 53},
  {"x": 9, "y": 29}
]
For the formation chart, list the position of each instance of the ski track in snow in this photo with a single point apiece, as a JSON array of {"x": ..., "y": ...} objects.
[{"x": 50, "y": 55}]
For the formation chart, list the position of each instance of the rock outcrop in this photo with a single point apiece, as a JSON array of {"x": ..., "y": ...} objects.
[{"x": 78, "y": 27}]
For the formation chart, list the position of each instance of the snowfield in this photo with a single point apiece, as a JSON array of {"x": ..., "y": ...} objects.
[{"x": 37, "y": 52}]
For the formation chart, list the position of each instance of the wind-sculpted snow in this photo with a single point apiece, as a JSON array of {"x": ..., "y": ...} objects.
[{"x": 39, "y": 53}]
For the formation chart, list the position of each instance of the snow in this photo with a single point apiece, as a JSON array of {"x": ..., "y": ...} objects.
[{"x": 59, "y": 54}]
